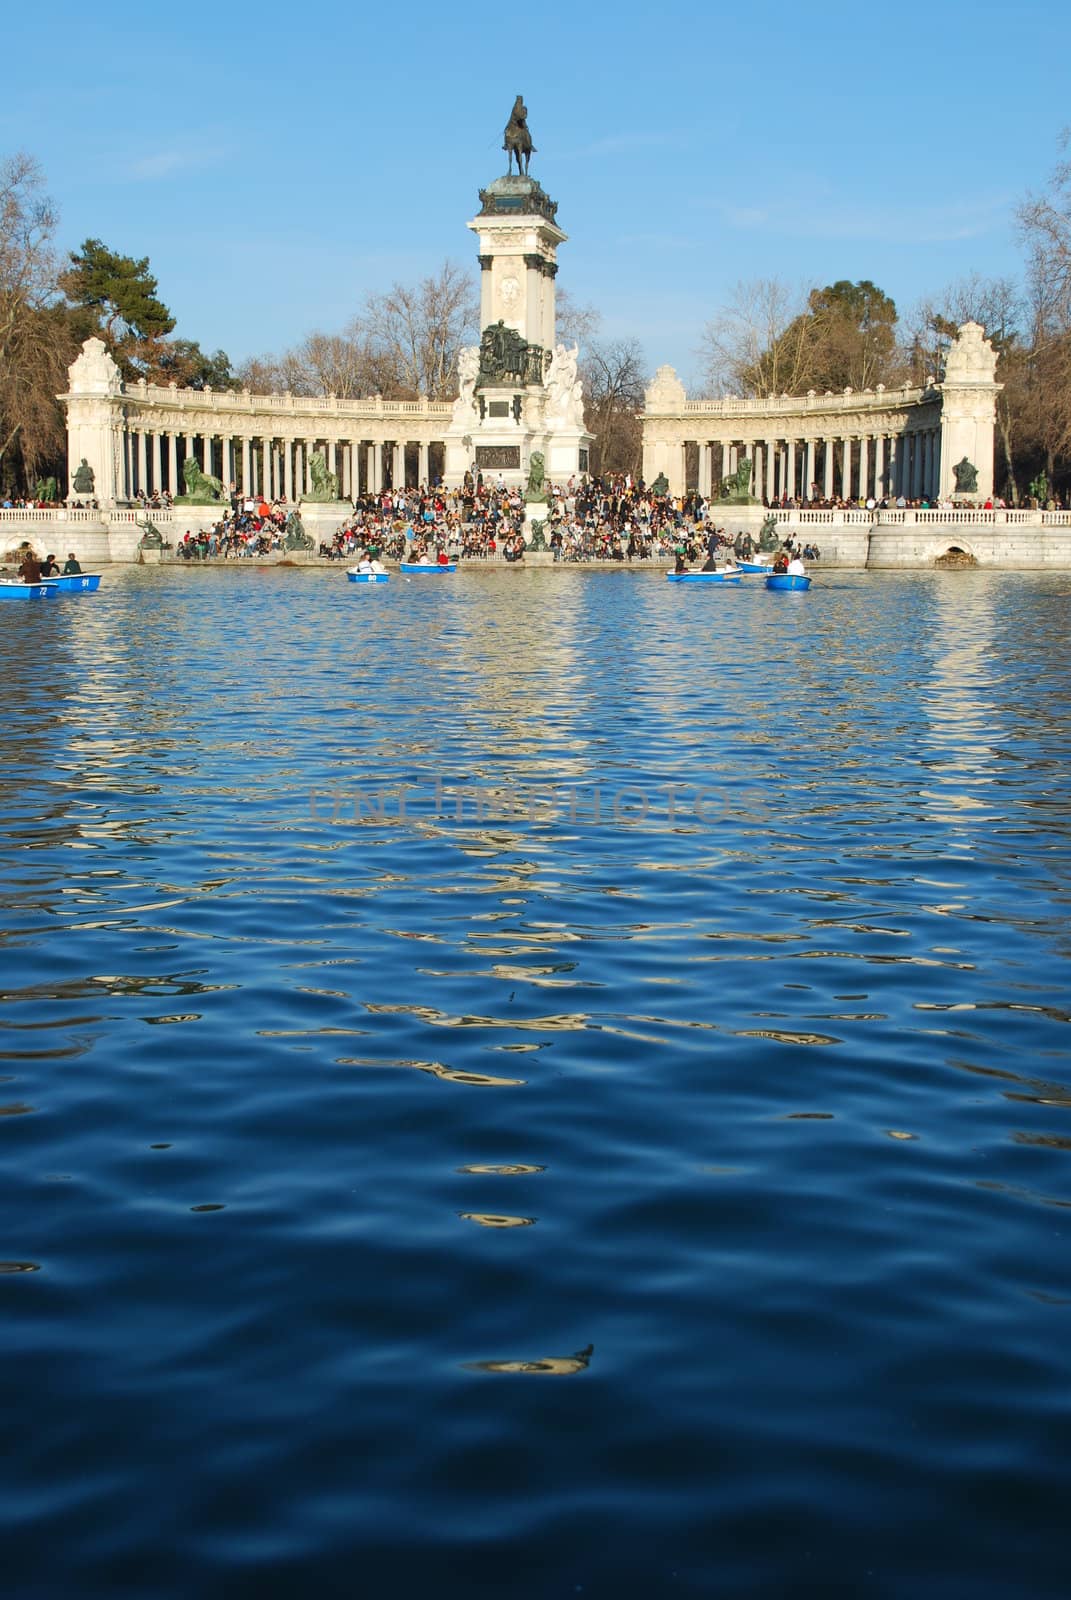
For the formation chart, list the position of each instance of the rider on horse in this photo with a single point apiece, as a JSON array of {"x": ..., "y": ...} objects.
[{"x": 518, "y": 141}]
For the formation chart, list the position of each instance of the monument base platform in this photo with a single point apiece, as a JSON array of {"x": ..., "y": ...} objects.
[{"x": 322, "y": 519}]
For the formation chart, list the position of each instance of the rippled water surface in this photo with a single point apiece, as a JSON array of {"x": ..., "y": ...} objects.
[{"x": 661, "y": 1190}]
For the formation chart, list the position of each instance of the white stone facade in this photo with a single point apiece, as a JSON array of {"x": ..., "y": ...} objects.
[
  {"x": 497, "y": 428},
  {"x": 135, "y": 437},
  {"x": 848, "y": 446}
]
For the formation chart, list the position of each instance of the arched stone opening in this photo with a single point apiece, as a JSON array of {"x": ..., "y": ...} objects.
[{"x": 956, "y": 555}]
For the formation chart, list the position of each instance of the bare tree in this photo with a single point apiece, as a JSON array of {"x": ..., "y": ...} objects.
[
  {"x": 413, "y": 334},
  {"x": 402, "y": 344},
  {"x": 322, "y": 364},
  {"x": 759, "y": 344},
  {"x": 577, "y": 323},
  {"x": 614, "y": 380},
  {"x": 36, "y": 339},
  {"x": 1045, "y": 228}
]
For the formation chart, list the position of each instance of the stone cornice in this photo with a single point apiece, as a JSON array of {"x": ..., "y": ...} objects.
[
  {"x": 811, "y": 407},
  {"x": 277, "y": 416}
]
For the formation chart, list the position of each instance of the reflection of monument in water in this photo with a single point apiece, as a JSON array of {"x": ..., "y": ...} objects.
[
  {"x": 520, "y": 397},
  {"x": 965, "y": 726},
  {"x": 523, "y": 671}
]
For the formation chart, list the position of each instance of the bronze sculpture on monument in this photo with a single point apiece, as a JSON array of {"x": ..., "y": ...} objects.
[{"x": 518, "y": 141}]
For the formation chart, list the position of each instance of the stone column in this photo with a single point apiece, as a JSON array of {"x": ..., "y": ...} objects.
[
  {"x": 864, "y": 467},
  {"x": 206, "y": 452},
  {"x": 790, "y": 470},
  {"x": 728, "y": 460},
  {"x": 157, "y": 469},
  {"x": 128, "y": 465},
  {"x": 355, "y": 469},
  {"x": 246, "y": 474},
  {"x": 968, "y": 412},
  {"x": 397, "y": 467},
  {"x": 936, "y": 481},
  {"x": 370, "y": 468},
  {"x": 846, "y": 469},
  {"x": 265, "y": 469},
  {"x": 172, "y": 463},
  {"x": 288, "y": 470},
  {"x": 332, "y": 457},
  {"x": 143, "y": 460},
  {"x": 879, "y": 466},
  {"x": 827, "y": 469},
  {"x": 228, "y": 462},
  {"x": 485, "y": 290},
  {"x": 423, "y": 470},
  {"x": 808, "y": 469},
  {"x": 771, "y": 462},
  {"x": 308, "y": 453}
]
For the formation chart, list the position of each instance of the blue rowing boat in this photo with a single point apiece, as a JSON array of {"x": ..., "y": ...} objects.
[
  {"x": 788, "y": 580},
  {"x": 755, "y": 566},
  {"x": 728, "y": 575},
  {"x": 429, "y": 567},
  {"x": 366, "y": 577},
  {"x": 76, "y": 582},
  {"x": 15, "y": 589}
]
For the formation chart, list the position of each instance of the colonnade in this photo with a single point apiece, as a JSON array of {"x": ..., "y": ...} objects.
[
  {"x": 825, "y": 467},
  {"x": 151, "y": 461}
]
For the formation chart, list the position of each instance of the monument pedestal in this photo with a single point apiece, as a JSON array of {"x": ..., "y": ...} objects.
[
  {"x": 536, "y": 520},
  {"x": 519, "y": 391},
  {"x": 322, "y": 519}
]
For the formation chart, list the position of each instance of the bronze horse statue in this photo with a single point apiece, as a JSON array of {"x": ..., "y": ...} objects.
[{"x": 518, "y": 141}]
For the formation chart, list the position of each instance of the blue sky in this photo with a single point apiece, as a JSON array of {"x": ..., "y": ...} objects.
[{"x": 277, "y": 163}]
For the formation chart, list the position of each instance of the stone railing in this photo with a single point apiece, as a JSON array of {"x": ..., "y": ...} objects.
[
  {"x": 78, "y": 515},
  {"x": 806, "y": 405},
  {"x": 828, "y": 516},
  {"x": 960, "y": 516},
  {"x": 48, "y": 514},
  {"x": 237, "y": 401}
]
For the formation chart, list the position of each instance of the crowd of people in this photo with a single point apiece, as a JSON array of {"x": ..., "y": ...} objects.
[{"x": 614, "y": 518}]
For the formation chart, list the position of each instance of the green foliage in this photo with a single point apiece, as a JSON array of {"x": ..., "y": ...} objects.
[
  {"x": 852, "y": 335},
  {"x": 116, "y": 296},
  {"x": 861, "y": 304},
  {"x": 121, "y": 289},
  {"x": 182, "y": 361},
  {"x": 1039, "y": 489}
]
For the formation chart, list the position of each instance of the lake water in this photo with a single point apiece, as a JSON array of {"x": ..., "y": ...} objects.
[{"x": 668, "y": 1201}]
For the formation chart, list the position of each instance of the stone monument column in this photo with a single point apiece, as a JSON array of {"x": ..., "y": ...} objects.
[
  {"x": 94, "y": 402},
  {"x": 968, "y": 415},
  {"x": 520, "y": 397}
]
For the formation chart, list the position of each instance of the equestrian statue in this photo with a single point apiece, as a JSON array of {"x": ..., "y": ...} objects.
[{"x": 518, "y": 141}]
